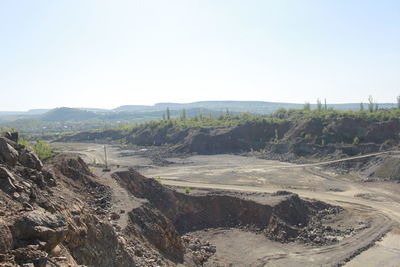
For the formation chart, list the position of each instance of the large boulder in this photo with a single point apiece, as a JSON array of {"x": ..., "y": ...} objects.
[
  {"x": 6, "y": 239},
  {"x": 7, "y": 153},
  {"x": 14, "y": 136},
  {"x": 7, "y": 180},
  {"x": 41, "y": 225},
  {"x": 29, "y": 159}
]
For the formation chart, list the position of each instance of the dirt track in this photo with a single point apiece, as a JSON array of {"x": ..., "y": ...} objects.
[{"x": 373, "y": 200}]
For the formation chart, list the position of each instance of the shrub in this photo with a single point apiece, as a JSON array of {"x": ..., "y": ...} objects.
[
  {"x": 24, "y": 142},
  {"x": 43, "y": 150},
  {"x": 356, "y": 140},
  {"x": 188, "y": 190}
]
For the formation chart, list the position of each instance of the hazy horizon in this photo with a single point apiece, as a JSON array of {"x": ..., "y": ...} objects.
[
  {"x": 102, "y": 54},
  {"x": 179, "y": 103}
]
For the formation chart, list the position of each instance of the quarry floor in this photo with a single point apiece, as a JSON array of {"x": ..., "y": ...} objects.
[{"x": 375, "y": 202}]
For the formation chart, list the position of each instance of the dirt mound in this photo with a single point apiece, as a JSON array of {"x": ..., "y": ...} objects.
[{"x": 388, "y": 169}]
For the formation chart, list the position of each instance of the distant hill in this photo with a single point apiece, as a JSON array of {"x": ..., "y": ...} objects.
[
  {"x": 66, "y": 119},
  {"x": 258, "y": 107},
  {"x": 67, "y": 114},
  {"x": 130, "y": 108}
]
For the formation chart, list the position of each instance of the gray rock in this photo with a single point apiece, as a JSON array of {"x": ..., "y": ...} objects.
[
  {"x": 7, "y": 180},
  {"x": 47, "y": 227},
  {"x": 7, "y": 153},
  {"x": 29, "y": 159},
  {"x": 14, "y": 136},
  {"x": 6, "y": 239}
]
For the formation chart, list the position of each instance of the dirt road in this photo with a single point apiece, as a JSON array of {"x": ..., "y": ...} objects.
[{"x": 229, "y": 172}]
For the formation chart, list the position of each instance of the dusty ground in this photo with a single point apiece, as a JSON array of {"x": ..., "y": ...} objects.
[{"x": 377, "y": 203}]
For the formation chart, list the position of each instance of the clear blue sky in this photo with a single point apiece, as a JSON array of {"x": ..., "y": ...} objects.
[{"x": 82, "y": 53}]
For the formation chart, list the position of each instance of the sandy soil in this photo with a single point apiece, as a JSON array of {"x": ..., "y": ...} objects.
[{"x": 376, "y": 202}]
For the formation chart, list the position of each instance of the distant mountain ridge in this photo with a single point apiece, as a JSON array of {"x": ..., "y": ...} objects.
[
  {"x": 77, "y": 119},
  {"x": 259, "y": 107},
  {"x": 238, "y": 106}
]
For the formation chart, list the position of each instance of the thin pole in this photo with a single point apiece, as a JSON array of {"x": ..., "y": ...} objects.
[{"x": 105, "y": 156}]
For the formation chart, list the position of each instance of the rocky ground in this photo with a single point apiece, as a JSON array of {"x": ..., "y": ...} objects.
[
  {"x": 58, "y": 214},
  {"x": 64, "y": 213}
]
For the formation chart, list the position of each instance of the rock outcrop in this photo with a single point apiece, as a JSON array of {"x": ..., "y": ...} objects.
[
  {"x": 41, "y": 226},
  {"x": 287, "y": 139},
  {"x": 8, "y": 154},
  {"x": 58, "y": 214},
  {"x": 29, "y": 159}
]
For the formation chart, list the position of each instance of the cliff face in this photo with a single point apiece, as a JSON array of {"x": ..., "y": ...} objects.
[{"x": 288, "y": 139}]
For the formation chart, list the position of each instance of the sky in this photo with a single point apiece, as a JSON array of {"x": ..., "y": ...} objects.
[{"x": 98, "y": 53}]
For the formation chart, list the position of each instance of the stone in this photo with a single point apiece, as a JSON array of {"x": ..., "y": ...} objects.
[
  {"x": 41, "y": 225},
  {"x": 114, "y": 216},
  {"x": 27, "y": 206},
  {"x": 7, "y": 153},
  {"x": 11, "y": 136},
  {"x": 6, "y": 238},
  {"x": 29, "y": 159},
  {"x": 7, "y": 180},
  {"x": 14, "y": 137},
  {"x": 29, "y": 255}
]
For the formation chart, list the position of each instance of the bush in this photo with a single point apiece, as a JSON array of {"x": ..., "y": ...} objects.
[
  {"x": 43, "y": 150},
  {"x": 24, "y": 142},
  {"x": 356, "y": 140},
  {"x": 188, "y": 190}
]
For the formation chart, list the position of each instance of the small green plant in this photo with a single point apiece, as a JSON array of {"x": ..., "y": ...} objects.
[
  {"x": 94, "y": 161},
  {"x": 43, "y": 150},
  {"x": 307, "y": 136},
  {"x": 158, "y": 179},
  {"x": 24, "y": 142},
  {"x": 356, "y": 140},
  {"x": 323, "y": 142},
  {"x": 188, "y": 190}
]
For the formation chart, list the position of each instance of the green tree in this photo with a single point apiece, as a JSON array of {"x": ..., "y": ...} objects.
[
  {"x": 168, "y": 114},
  {"x": 319, "y": 105},
  {"x": 370, "y": 104},
  {"x": 361, "y": 106},
  {"x": 325, "y": 105},
  {"x": 398, "y": 102},
  {"x": 183, "y": 114},
  {"x": 201, "y": 115},
  {"x": 307, "y": 106}
]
